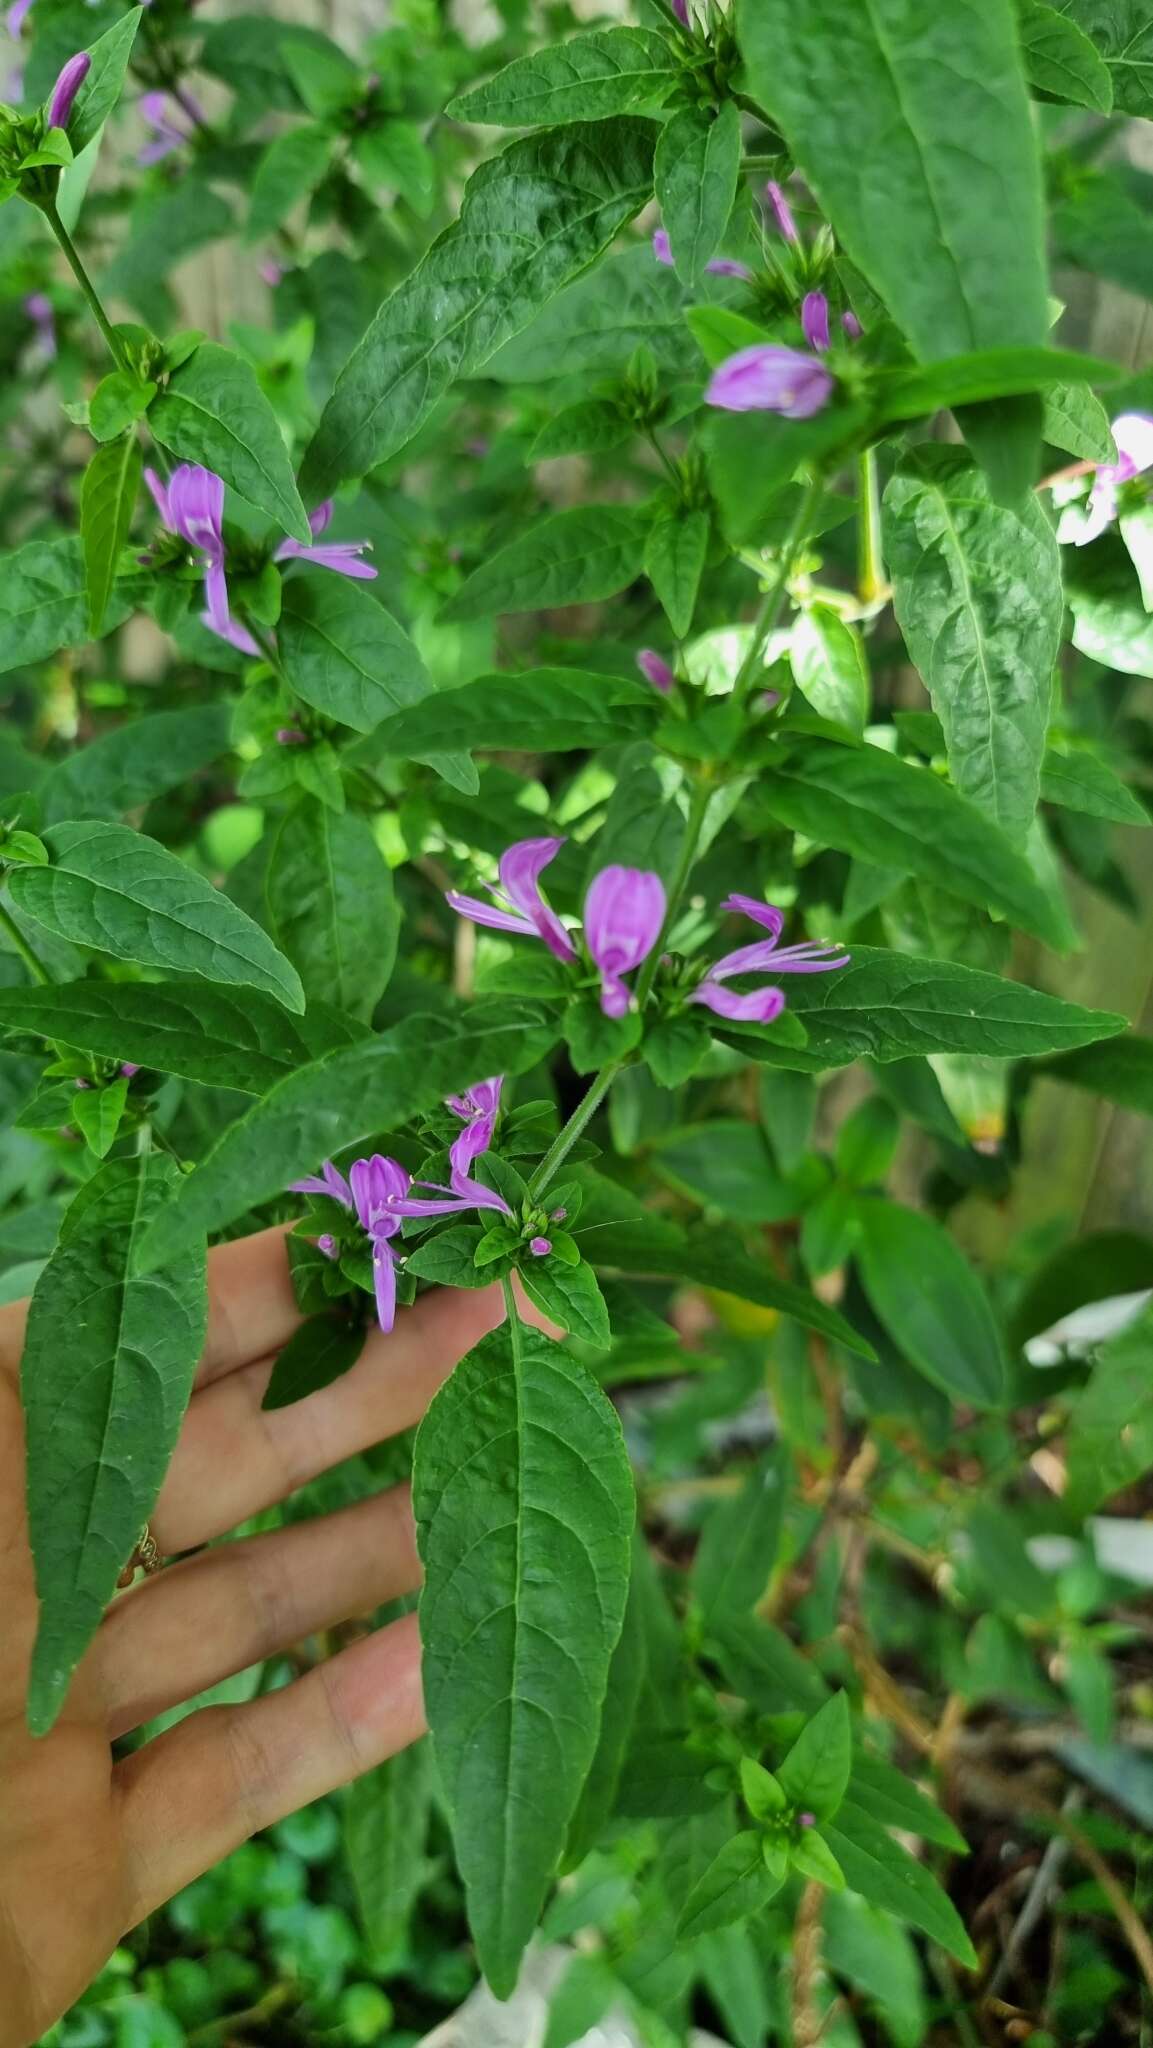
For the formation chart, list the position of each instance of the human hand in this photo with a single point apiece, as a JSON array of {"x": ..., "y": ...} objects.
[{"x": 88, "y": 1847}]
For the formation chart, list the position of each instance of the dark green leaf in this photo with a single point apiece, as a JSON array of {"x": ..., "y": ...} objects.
[
  {"x": 135, "y": 762},
  {"x": 1061, "y": 61},
  {"x": 627, "y": 302},
  {"x": 343, "y": 653},
  {"x": 618, "y": 1717},
  {"x": 711, "y": 1259},
  {"x": 664, "y": 1780},
  {"x": 213, "y": 411},
  {"x": 575, "y": 557},
  {"x": 104, "y": 82},
  {"x": 331, "y": 906},
  {"x": 555, "y": 708},
  {"x": 697, "y": 165},
  {"x": 734, "y": 1887},
  {"x": 328, "y": 82},
  {"x": 977, "y": 591},
  {"x": 291, "y": 166},
  {"x": 1121, "y": 1071},
  {"x": 737, "y": 1553},
  {"x": 725, "y": 1165},
  {"x": 609, "y": 71},
  {"x": 943, "y": 1324},
  {"x": 531, "y": 220},
  {"x": 44, "y": 602},
  {"x": 449, "y": 1258},
  {"x": 1110, "y": 1439},
  {"x": 761, "y": 1664},
  {"x": 520, "y": 1470},
  {"x": 1122, "y": 32},
  {"x": 815, "y": 1772},
  {"x": 754, "y": 455},
  {"x": 321, "y": 1351},
  {"x": 386, "y": 1817},
  {"x": 675, "y": 552},
  {"x": 569, "y": 1296},
  {"x": 1081, "y": 781},
  {"x": 107, "y": 502},
  {"x": 885, "y": 1874},
  {"x": 114, "y": 890},
  {"x": 107, "y": 1369},
  {"x": 986, "y": 374},
  {"x": 893, "y": 1798}
]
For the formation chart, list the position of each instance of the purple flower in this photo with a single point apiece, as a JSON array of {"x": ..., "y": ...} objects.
[
  {"x": 38, "y": 307},
  {"x": 851, "y": 325},
  {"x": 519, "y": 870},
  {"x": 167, "y": 134},
  {"x": 763, "y": 957},
  {"x": 815, "y": 320},
  {"x": 662, "y": 247},
  {"x": 624, "y": 912},
  {"x": 655, "y": 670},
  {"x": 680, "y": 9},
  {"x": 343, "y": 556},
  {"x": 128, "y": 1068},
  {"x": 326, "y": 1243},
  {"x": 66, "y": 88},
  {"x": 540, "y": 1247},
  {"x": 271, "y": 274},
  {"x": 558, "y": 1215},
  {"x": 15, "y": 16},
  {"x": 328, "y": 1182},
  {"x": 290, "y": 736},
  {"x": 807, "y": 1820},
  {"x": 769, "y": 378},
  {"x": 191, "y": 505},
  {"x": 781, "y": 209},
  {"x": 726, "y": 266},
  {"x": 478, "y": 1110},
  {"x": 1133, "y": 433}
]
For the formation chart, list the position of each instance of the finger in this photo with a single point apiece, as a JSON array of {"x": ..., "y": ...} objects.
[
  {"x": 216, "y": 1614},
  {"x": 235, "y": 1458},
  {"x": 194, "y": 1794},
  {"x": 251, "y": 1306}
]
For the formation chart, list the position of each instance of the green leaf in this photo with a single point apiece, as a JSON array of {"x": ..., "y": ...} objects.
[
  {"x": 1081, "y": 781},
  {"x": 227, "y": 1041},
  {"x": 811, "y": 1855},
  {"x": 569, "y": 1296},
  {"x": 592, "y": 326},
  {"x": 986, "y": 374},
  {"x": 532, "y": 219},
  {"x": 609, "y": 71},
  {"x": 521, "y": 1473},
  {"x": 321, "y": 1351},
  {"x": 396, "y": 156},
  {"x": 119, "y": 400},
  {"x": 118, "y": 892},
  {"x": 697, "y": 165},
  {"x": 1109, "y": 1446},
  {"x": 725, "y": 1165},
  {"x": 1073, "y": 419},
  {"x": 885, "y": 1874},
  {"x": 977, "y": 592},
  {"x": 1122, "y": 33},
  {"x": 736, "y": 1885},
  {"x": 618, "y": 1718},
  {"x": 344, "y": 654},
  {"x": 815, "y": 1772},
  {"x": 449, "y": 1258},
  {"x": 1136, "y": 529},
  {"x": 291, "y": 167},
  {"x": 871, "y": 100},
  {"x": 557, "y": 709},
  {"x": 576, "y": 557},
  {"x": 711, "y": 1259},
  {"x": 104, "y": 82},
  {"x": 213, "y": 411},
  {"x": 899, "y": 815},
  {"x": 890, "y": 1796},
  {"x": 106, "y": 1374},
  {"x": 944, "y": 1325},
  {"x": 1060, "y": 60},
  {"x": 44, "y": 602},
  {"x": 590, "y": 427},
  {"x": 1121, "y": 1071},
  {"x": 828, "y": 661},
  {"x": 753, "y": 455},
  {"x": 386, "y": 1816},
  {"x": 133, "y": 763},
  {"x": 887, "y": 1006},
  {"x": 346, "y": 1096},
  {"x": 675, "y": 551},
  {"x": 329, "y": 83},
  {"x": 97, "y": 1112},
  {"x": 738, "y": 1551},
  {"x": 332, "y": 908},
  {"x": 107, "y": 502}
]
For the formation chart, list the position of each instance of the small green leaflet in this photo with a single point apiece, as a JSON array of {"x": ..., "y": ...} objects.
[
  {"x": 575, "y": 557},
  {"x": 349, "y": 1094},
  {"x": 531, "y": 220},
  {"x": 322, "y": 1350},
  {"x": 331, "y": 905},
  {"x": 885, "y": 1874},
  {"x": 569, "y": 1296},
  {"x": 135, "y": 762},
  {"x": 609, "y": 71},
  {"x": 107, "y": 1369},
  {"x": 737, "y": 1553},
  {"x": 213, "y": 411},
  {"x": 1081, "y": 781},
  {"x": 555, "y": 708},
  {"x": 674, "y": 562},
  {"x": 121, "y": 893},
  {"x": 243, "y": 1041},
  {"x": 342, "y": 652},
  {"x": 815, "y": 1772},
  {"x": 291, "y": 166},
  {"x": 697, "y": 165},
  {"x": 1122, "y": 33},
  {"x": 386, "y": 1815},
  {"x": 1061, "y": 61},
  {"x": 737, "y": 1884},
  {"x": 104, "y": 82},
  {"x": 977, "y": 592},
  {"x": 44, "y": 602},
  {"x": 97, "y": 1112},
  {"x": 107, "y": 502},
  {"x": 871, "y": 99},
  {"x": 828, "y": 661},
  {"x": 520, "y": 1469},
  {"x": 943, "y": 1325},
  {"x": 1121, "y": 1071}
]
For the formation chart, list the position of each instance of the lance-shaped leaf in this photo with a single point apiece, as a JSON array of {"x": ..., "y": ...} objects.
[
  {"x": 524, "y": 1504},
  {"x": 885, "y": 1874},
  {"x": 1121, "y": 1071},
  {"x": 531, "y": 220},
  {"x": 243, "y": 1041},
  {"x": 119, "y": 892},
  {"x": 609, "y": 71},
  {"x": 134, "y": 763},
  {"x": 675, "y": 552},
  {"x": 1060, "y": 60},
  {"x": 1122, "y": 33},
  {"x": 1081, "y": 781},
  {"x": 986, "y": 373},
  {"x": 711, "y": 1259},
  {"x": 896, "y": 815},
  {"x": 737, "y": 1553},
  {"x": 44, "y": 602},
  {"x": 737, "y": 1884},
  {"x": 107, "y": 1369},
  {"x": 332, "y": 907},
  {"x": 287, "y": 172},
  {"x": 553, "y": 708},
  {"x": 386, "y": 1816},
  {"x": 977, "y": 590},
  {"x": 944, "y": 1325},
  {"x": 627, "y": 302},
  {"x": 576, "y": 557},
  {"x": 107, "y": 501},
  {"x": 698, "y": 162},
  {"x": 871, "y": 99},
  {"x": 104, "y": 81},
  {"x": 348, "y": 1095},
  {"x": 342, "y": 652},
  {"x": 213, "y": 411}
]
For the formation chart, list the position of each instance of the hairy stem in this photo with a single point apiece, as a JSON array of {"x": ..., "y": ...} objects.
[
  {"x": 31, "y": 959},
  {"x": 566, "y": 1138},
  {"x": 773, "y": 601},
  {"x": 75, "y": 264}
]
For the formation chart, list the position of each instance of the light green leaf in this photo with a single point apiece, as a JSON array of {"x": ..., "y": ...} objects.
[
  {"x": 104, "y": 82},
  {"x": 1061, "y": 61},
  {"x": 328, "y": 81},
  {"x": 115, "y": 890},
  {"x": 227, "y": 1041},
  {"x": 386, "y": 1816},
  {"x": 520, "y": 1472},
  {"x": 815, "y": 1772},
  {"x": 44, "y": 602},
  {"x": 985, "y": 374},
  {"x": 531, "y": 220},
  {"x": 97, "y": 1112},
  {"x": 1110, "y": 1439},
  {"x": 291, "y": 167},
  {"x": 892, "y": 1797},
  {"x": 343, "y": 653},
  {"x": 1121, "y": 1071},
  {"x": 396, "y": 156},
  {"x": 106, "y": 1373},
  {"x": 697, "y": 165},
  {"x": 575, "y": 557},
  {"x": 107, "y": 502},
  {"x": 332, "y": 908},
  {"x": 1081, "y": 781},
  {"x": 213, "y": 411},
  {"x": 569, "y": 1296},
  {"x": 828, "y": 660},
  {"x": 737, "y": 1553},
  {"x": 135, "y": 762},
  {"x": 553, "y": 708},
  {"x": 675, "y": 551},
  {"x": 1075, "y": 420},
  {"x": 736, "y": 1885},
  {"x": 1122, "y": 33},
  {"x": 944, "y": 1325},
  {"x": 871, "y": 99},
  {"x": 118, "y": 401},
  {"x": 885, "y": 1874},
  {"x": 609, "y": 71},
  {"x": 977, "y": 592}
]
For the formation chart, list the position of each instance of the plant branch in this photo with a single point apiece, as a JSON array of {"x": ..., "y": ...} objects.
[
  {"x": 872, "y": 586},
  {"x": 774, "y": 598},
  {"x": 566, "y": 1138},
  {"x": 20, "y": 945},
  {"x": 75, "y": 264}
]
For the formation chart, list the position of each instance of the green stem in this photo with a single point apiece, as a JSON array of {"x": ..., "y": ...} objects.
[
  {"x": 774, "y": 597},
  {"x": 654, "y": 441},
  {"x": 565, "y": 1139},
  {"x": 86, "y": 285},
  {"x": 871, "y": 567},
  {"x": 512, "y": 1317},
  {"x": 698, "y": 806},
  {"x": 32, "y": 962}
]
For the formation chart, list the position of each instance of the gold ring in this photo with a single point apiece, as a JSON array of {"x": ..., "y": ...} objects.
[{"x": 146, "y": 1557}]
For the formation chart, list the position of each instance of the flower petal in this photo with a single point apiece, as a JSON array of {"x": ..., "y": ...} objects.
[
  {"x": 520, "y": 868},
  {"x": 758, "y": 1008},
  {"x": 66, "y": 88},
  {"x": 815, "y": 320},
  {"x": 384, "y": 1285},
  {"x": 760, "y": 912},
  {"x": 1133, "y": 433},
  {"x": 770, "y": 378},
  {"x": 488, "y": 914}
]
